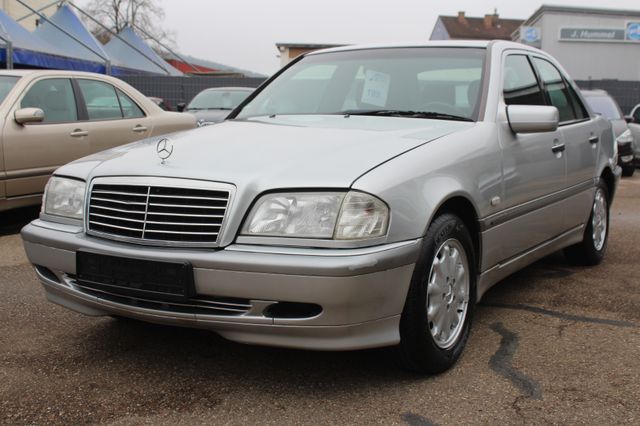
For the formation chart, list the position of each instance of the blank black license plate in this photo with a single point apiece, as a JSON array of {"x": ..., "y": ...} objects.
[{"x": 135, "y": 277}]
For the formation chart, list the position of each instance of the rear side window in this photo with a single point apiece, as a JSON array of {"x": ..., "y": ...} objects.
[
  {"x": 556, "y": 89},
  {"x": 55, "y": 97},
  {"x": 129, "y": 108},
  {"x": 101, "y": 100},
  {"x": 520, "y": 85}
]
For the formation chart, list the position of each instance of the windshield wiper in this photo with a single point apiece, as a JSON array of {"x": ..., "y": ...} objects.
[
  {"x": 412, "y": 114},
  {"x": 208, "y": 109}
]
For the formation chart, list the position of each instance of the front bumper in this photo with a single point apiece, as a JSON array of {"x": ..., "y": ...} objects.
[{"x": 361, "y": 291}]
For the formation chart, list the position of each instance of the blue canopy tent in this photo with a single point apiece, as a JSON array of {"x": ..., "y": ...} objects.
[
  {"x": 29, "y": 51},
  {"x": 143, "y": 60},
  {"x": 68, "y": 34}
]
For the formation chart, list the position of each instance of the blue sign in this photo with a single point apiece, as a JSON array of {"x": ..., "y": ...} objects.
[
  {"x": 633, "y": 31},
  {"x": 530, "y": 34}
]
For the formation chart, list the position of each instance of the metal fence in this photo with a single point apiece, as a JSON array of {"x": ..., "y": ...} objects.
[
  {"x": 183, "y": 89},
  {"x": 626, "y": 93}
]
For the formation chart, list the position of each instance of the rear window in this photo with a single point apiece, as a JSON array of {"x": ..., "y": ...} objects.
[
  {"x": 6, "y": 84},
  {"x": 604, "y": 106}
]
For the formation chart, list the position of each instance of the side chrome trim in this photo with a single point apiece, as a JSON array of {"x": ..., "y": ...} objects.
[
  {"x": 530, "y": 206},
  {"x": 321, "y": 252},
  {"x": 502, "y": 270},
  {"x": 25, "y": 173}
]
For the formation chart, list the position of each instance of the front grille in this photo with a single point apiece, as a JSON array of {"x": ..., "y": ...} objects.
[{"x": 159, "y": 214}]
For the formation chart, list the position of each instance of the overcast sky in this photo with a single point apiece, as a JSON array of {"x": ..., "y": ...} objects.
[{"x": 243, "y": 33}]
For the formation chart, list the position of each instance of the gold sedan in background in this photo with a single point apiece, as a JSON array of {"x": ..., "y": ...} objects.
[{"x": 49, "y": 118}]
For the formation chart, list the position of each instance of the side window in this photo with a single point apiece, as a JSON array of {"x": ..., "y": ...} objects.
[
  {"x": 520, "y": 85},
  {"x": 101, "y": 100},
  {"x": 55, "y": 97},
  {"x": 578, "y": 106},
  {"x": 555, "y": 88},
  {"x": 129, "y": 108}
]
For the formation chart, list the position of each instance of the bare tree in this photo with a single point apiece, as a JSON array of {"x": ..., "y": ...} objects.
[{"x": 118, "y": 14}]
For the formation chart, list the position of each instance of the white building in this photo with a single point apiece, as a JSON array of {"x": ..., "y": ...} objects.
[{"x": 591, "y": 44}]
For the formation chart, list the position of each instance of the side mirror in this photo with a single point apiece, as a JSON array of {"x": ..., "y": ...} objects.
[
  {"x": 181, "y": 106},
  {"x": 28, "y": 115},
  {"x": 532, "y": 118},
  {"x": 629, "y": 119}
]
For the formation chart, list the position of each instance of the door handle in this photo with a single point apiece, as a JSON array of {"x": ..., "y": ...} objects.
[
  {"x": 139, "y": 129},
  {"x": 594, "y": 140},
  {"x": 557, "y": 148},
  {"x": 78, "y": 133}
]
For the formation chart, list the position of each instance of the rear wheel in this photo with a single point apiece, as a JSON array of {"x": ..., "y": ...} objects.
[
  {"x": 436, "y": 319},
  {"x": 594, "y": 243}
]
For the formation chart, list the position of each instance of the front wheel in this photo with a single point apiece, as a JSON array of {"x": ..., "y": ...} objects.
[
  {"x": 594, "y": 242},
  {"x": 435, "y": 322}
]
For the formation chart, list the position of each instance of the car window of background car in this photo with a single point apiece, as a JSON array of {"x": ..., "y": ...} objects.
[
  {"x": 6, "y": 84},
  {"x": 520, "y": 85},
  {"x": 443, "y": 80},
  {"x": 129, "y": 108},
  {"x": 555, "y": 88},
  {"x": 54, "y": 96},
  {"x": 215, "y": 99},
  {"x": 101, "y": 100},
  {"x": 604, "y": 106}
]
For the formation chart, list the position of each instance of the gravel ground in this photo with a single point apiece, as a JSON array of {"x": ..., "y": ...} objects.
[{"x": 551, "y": 344}]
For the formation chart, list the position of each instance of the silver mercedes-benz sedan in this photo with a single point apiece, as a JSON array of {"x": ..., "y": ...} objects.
[{"x": 365, "y": 196}]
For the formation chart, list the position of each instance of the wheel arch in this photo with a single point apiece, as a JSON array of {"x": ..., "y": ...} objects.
[
  {"x": 610, "y": 181},
  {"x": 462, "y": 206}
]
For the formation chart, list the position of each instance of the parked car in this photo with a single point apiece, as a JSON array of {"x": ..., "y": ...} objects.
[
  {"x": 367, "y": 196},
  {"x": 633, "y": 120},
  {"x": 214, "y": 105},
  {"x": 162, "y": 103},
  {"x": 602, "y": 103},
  {"x": 53, "y": 117}
]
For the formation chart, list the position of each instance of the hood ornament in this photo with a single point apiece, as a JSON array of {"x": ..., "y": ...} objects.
[{"x": 164, "y": 148}]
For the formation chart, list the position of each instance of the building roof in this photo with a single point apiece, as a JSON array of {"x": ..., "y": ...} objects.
[
  {"x": 489, "y": 27},
  {"x": 580, "y": 10},
  {"x": 206, "y": 66}
]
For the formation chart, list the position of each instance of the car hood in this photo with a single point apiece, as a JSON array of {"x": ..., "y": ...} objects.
[
  {"x": 267, "y": 153},
  {"x": 211, "y": 115}
]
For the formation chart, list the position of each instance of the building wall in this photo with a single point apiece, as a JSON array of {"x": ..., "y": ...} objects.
[
  {"x": 16, "y": 11},
  {"x": 586, "y": 60}
]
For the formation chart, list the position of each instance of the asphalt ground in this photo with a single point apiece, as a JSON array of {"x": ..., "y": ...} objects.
[{"x": 551, "y": 344}]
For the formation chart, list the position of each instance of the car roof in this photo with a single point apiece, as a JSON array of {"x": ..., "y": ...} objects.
[
  {"x": 595, "y": 92},
  {"x": 481, "y": 44},
  {"x": 230, "y": 89}
]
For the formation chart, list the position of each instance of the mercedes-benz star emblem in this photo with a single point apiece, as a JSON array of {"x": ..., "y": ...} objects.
[{"x": 164, "y": 148}]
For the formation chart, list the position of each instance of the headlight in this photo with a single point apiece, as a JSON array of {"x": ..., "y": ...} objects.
[
  {"x": 64, "y": 197},
  {"x": 337, "y": 215},
  {"x": 625, "y": 137}
]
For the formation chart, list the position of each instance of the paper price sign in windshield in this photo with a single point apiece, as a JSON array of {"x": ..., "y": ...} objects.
[{"x": 376, "y": 88}]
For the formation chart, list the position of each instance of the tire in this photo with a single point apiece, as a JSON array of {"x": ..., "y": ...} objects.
[
  {"x": 628, "y": 170},
  {"x": 424, "y": 347},
  {"x": 591, "y": 250}
]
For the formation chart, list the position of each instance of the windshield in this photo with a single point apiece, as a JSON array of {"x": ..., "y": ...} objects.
[
  {"x": 604, "y": 106},
  {"x": 218, "y": 99},
  {"x": 6, "y": 84},
  {"x": 444, "y": 81}
]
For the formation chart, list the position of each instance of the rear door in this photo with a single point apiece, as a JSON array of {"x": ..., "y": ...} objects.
[
  {"x": 112, "y": 117},
  {"x": 33, "y": 151}
]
